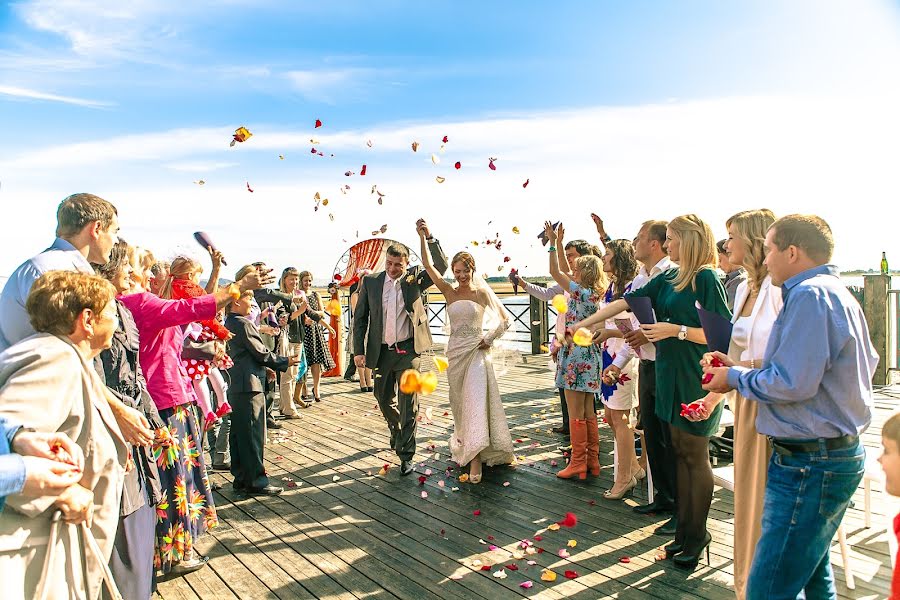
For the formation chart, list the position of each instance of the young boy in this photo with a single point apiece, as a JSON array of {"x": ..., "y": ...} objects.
[
  {"x": 247, "y": 398},
  {"x": 890, "y": 462}
]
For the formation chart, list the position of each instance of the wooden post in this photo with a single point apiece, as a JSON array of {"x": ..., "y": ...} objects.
[
  {"x": 875, "y": 308},
  {"x": 539, "y": 332}
]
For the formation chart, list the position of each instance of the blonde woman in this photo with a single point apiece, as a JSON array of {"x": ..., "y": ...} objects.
[
  {"x": 757, "y": 305},
  {"x": 680, "y": 346},
  {"x": 578, "y": 367}
]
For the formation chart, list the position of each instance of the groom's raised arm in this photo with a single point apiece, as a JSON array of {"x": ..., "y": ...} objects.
[{"x": 438, "y": 258}]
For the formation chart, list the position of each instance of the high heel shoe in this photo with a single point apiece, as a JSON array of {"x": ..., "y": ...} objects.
[
  {"x": 673, "y": 549},
  {"x": 640, "y": 474},
  {"x": 629, "y": 487},
  {"x": 689, "y": 561}
]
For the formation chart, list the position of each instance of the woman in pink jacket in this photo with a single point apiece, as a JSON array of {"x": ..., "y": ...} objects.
[{"x": 186, "y": 510}]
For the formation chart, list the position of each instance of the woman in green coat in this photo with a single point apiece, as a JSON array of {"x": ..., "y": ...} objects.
[{"x": 680, "y": 346}]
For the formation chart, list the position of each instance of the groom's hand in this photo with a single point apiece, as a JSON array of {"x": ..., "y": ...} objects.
[
  {"x": 422, "y": 226},
  {"x": 360, "y": 361}
]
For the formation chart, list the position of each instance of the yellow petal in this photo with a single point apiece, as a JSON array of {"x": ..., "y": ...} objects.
[
  {"x": 545, "y": 348},
  {"x": 572, "y": 543},
  {"x": 464, "y": 478},
  {"x": 553, "y": 527},
  {"x": 439, "y": 179},
  {"x": 325, "y": 202},
  {"x": 428, "y": 383},
  {"x": 583, "y": 337},
  {"x": 441, "y": 363},
  {"x": 515, "y": 230},
  {"x": 435, "y": 159},
  {"x": 548, "y": 575},
  {"x": 560, "y": 304}
]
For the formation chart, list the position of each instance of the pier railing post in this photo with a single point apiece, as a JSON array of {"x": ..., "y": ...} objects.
[
  {"x": 875, "y": 307},
  {"x": 539, "y": 330}
]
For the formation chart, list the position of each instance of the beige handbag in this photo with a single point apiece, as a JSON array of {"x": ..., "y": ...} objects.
[{"x": 88, "y": 543}]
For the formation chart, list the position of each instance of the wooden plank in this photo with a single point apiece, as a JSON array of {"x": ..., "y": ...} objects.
[{"x": 377, "y": 534}]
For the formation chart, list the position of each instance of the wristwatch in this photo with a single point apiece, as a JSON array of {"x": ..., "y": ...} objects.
[{"x": 682, "y": 334}]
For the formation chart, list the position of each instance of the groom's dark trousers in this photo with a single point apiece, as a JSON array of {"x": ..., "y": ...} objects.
[{"x": 399, "y": 409}]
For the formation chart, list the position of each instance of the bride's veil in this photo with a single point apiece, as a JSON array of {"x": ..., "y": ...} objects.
[{"x": 495, "y": 329}]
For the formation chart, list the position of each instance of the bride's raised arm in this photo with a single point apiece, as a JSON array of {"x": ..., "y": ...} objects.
[{"x": 436, "y": 278}]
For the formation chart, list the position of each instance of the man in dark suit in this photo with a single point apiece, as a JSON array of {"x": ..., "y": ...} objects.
[
  {"x": 390, "y": 308},
  {"x": 247, "y": 398}
]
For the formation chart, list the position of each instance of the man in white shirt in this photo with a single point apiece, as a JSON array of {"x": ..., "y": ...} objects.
[{"x": 648, "y": 249}]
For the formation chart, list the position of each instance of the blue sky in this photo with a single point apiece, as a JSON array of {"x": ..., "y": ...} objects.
[{"x": 633, "y": 110}]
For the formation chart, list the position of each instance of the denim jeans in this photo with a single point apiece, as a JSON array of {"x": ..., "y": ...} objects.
[{"x": 806, "y": 496}]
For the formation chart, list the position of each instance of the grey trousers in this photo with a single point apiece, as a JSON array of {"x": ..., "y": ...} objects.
[{"x": 400, "y": 410}]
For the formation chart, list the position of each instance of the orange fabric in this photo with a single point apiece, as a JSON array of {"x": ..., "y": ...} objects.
[{"x": 334, "y": 348}]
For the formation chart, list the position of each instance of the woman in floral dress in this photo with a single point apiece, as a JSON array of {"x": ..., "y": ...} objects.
[{"x": 579, "y": 367}]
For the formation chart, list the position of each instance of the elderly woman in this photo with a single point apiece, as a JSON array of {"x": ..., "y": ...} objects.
[
  {"x": 132, "y": 560},
  {"x": 48, "y": 383},
  {"x": 186, "y": 510}
]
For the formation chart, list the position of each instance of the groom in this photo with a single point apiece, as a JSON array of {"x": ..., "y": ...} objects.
[{"x": 390, "y": 307}]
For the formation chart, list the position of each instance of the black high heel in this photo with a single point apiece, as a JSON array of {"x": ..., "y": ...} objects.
[
  {"x": 673, "y": 549},
  {"x": 690, "y": 561}
]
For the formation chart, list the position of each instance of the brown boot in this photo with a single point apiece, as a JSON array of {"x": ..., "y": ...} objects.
[
  {"x": 593, "y": 445},
  {"x": 577, "y": 466}
]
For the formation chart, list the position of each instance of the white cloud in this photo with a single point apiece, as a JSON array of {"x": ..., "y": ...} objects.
[
  {"x": 836, "y": 157},
  {"x": 97, "y": 28},
  {"x": 325, "y": 85},
  {"x": 199, "y": 167},
  {"x": 19, "y": 92}
]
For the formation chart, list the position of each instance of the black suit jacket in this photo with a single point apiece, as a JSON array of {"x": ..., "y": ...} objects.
[
  {"x": 369, "y": 309},
  {"x": 250, "y": 356}
]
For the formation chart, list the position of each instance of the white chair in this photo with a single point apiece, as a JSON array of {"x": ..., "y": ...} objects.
[{"x": 724, "y": 478}]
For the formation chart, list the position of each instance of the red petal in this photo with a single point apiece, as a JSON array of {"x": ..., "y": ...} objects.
[
  {"x": 476, "y": 512},
  {"x": 525, "y": 185},
  {"x": 422, "y": 480},
  {"x": 337, "y": 277},
  {"x": 571, "y": 574},
  {"x": 445, "y": 140},
  {"x": 490, "y": 537},
  {"x": 363, "y": 170},
  {"x": 491, "y": 165},
  {"x": 443, "y": 532},
  {"x": 312, "y": 151},
  {"x": 512, "y": 567},
  {"x": 570, "y": 521},
  {"x": 485, "y": 567},
  {"x": 538, "y": 538},
  {"x": 624, "y": 559},
  {"x": 249, "y": 189},
  {"x": 318, "y": 123},
  {"x": 540, "y": 550},
  {"x": 506, "y": 259},
  {"x": 458, "y": 165}
]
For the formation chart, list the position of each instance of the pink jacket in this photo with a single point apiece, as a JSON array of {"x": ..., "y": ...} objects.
[{"x": 161, "y": 341}]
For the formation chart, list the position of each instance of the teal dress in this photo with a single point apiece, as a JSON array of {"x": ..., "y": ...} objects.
[{"x": 678, "y": 373}]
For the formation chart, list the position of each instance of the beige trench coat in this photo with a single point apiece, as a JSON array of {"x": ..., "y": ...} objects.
[{"x": 46, "y": 384}]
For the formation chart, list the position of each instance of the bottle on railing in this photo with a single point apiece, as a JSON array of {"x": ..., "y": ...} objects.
[{"x": 884, "y": 264}]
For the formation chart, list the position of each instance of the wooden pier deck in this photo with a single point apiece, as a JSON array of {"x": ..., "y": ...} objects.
[{"x": 343, "y": 531}]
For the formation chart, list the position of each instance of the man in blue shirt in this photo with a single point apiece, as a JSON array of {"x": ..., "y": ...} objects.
[
  {"x": 87, "y": 228},
  {"x": 36, "y": 464},
  {"x": 814, "y": 391},
  {"x": 86, "y": 231}
]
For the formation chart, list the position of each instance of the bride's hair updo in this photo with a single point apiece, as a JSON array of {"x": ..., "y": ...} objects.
[{"x": 465, "y": 258}]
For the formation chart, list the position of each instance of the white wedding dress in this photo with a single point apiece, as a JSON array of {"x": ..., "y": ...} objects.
[{"x": 478, "y": 417}]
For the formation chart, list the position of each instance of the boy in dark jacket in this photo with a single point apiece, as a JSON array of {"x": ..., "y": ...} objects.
[{"x": 247, "y": 398}]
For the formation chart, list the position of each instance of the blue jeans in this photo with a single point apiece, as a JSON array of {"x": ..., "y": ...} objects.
[{"x": 806, "y": 496}]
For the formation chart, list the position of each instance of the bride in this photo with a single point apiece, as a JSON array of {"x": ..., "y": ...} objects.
[{"x": 477, "y": 318}]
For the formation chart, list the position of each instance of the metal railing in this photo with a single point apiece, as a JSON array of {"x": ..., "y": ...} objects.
[{"x": 532, "y": 319}]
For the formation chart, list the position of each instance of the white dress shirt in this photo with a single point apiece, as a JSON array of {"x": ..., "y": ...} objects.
[{"x": 397, "y": 325}]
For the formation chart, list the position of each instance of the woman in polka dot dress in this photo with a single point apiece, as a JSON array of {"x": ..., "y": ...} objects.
[{"x": 183, "y": 284}]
